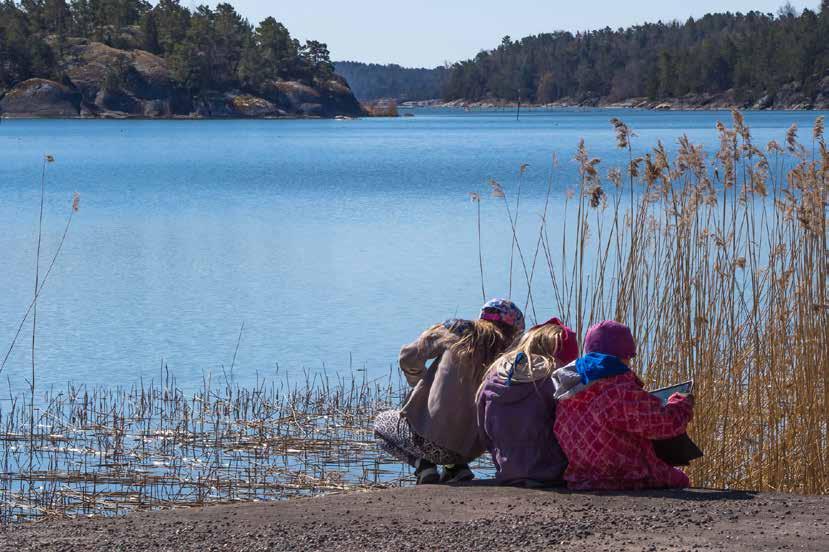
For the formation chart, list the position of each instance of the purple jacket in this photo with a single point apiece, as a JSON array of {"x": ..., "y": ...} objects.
[{"x": 516, "y": 425}]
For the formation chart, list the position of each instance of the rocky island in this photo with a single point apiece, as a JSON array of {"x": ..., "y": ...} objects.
[{"x": 166, "y": 62}]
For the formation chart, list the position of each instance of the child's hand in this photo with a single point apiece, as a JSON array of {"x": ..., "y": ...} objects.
[{"x": 682, "y": 397}]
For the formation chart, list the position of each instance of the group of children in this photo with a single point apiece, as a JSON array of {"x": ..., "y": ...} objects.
[{"x": 546, "y": 415}]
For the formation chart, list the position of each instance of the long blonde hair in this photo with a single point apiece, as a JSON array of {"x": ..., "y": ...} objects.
[
  {"x": 481, "y": 344},
  {"x": 546, "y": 341}
]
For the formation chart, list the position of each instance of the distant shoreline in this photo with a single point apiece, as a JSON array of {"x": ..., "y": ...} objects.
[
  {"x": 680, "y": 104},
  {"x": 34, "y": 117},
  {"x": 696, "y": 103}
]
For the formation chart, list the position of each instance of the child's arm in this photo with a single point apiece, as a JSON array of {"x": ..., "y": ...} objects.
[
  {"x": 413, "y": 357},
  {"x": 637, "y": 411}
]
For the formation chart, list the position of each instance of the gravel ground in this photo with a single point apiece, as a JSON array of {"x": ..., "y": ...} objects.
[{"x": 459, "y": 518}]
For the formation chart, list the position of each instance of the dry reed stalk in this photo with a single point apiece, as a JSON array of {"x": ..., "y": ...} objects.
[
  {"x": 499, "y": 192},
  {"x": 75, "y": 206},
  {"x": 46, "y": 159},
  {"x": 105, "y": 451},
  {"x": 720, "y": 267},
  {"x": 476, "y": 198}
]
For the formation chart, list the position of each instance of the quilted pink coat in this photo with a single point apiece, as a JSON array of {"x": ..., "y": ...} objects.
[{"x": 606, "y": 428}]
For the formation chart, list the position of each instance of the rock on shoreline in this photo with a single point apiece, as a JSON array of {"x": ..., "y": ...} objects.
[
  {"x": 105, "y": 82},
  {"x": 41, "y": 98}
]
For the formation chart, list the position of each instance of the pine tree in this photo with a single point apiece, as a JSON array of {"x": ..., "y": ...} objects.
[
  {"x": 249, "y": 72},
  {"x": 318, "y": 59},
  {"x": 172, "y": 22},
  {"x": 149, "y": 28},
  {"x": 278, "y": 51},
  {"x": 83, "y": 17},
  {"x": 231, "y": 34}
]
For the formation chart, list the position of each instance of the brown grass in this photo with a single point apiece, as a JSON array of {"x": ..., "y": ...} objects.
[{"x": 719, "y": 264}]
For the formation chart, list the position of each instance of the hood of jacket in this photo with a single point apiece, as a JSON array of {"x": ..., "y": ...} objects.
[
  {"x": 579, "y": 374},
  {"x": 513, "y": 367},
  {"x": 497, "y": 391},
  {"x": 567, "y": 382}
]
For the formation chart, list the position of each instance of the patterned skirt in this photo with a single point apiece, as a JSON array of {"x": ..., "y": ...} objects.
[{"x": 397, "y": 438}]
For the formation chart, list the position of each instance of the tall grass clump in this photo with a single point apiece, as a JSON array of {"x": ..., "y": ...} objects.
[{"x": 718, "y": 262}]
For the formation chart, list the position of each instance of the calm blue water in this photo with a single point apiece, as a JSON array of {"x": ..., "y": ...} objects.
[{"x": 329, "y": 240}]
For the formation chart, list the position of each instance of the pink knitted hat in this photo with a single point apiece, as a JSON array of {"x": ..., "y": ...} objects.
[{"x": 610, "y": 338}]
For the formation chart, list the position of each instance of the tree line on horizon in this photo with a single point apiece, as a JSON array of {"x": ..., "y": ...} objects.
[
  {"x": 754, "y": 54},
  {"x": 373, "y": 81},
  {"x": 206, "y": 49}
]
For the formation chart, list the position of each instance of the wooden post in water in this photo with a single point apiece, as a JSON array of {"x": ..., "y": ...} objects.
[{"x": 518, "y": 110}]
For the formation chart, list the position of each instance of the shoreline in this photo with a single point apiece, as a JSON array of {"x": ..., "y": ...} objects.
[
  {"x": 4, "y": 118},
  {"x": 474, "y": 516},
  {"x": 643, "y": 105},
  {"x": 637, "y": 104},
  {"x": 673, "y": 104},
  {"x": 32, "y": 117}
]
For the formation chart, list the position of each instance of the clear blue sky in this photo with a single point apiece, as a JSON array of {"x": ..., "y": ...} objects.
[{"x": 429, "y": 32}]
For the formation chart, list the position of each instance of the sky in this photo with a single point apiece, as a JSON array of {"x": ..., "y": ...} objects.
[{"x": 430, "y": 32}]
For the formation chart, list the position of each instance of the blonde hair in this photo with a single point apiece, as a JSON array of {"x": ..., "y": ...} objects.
[
  {"x": 546, "y": 341},
  {"x": 481, "y": 344}
]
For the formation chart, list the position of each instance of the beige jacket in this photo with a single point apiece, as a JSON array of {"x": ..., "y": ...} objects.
[{"x": 441, "y": 407}]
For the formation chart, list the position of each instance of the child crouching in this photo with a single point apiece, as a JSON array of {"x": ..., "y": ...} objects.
[
  {"x": 606, "y": 420},
  {"x": 437, "y": 424},
  {"x": 516, "y": 407}
]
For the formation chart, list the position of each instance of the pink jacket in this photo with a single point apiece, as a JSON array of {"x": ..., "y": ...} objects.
[{"x": 606, "y": 428}]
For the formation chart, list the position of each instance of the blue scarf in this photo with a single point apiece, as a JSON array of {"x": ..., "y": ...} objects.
[{"x": 595, "y": 366}]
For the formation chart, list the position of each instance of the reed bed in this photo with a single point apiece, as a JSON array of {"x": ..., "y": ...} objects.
[
  {"x": 719, "y": 263},
  {"x": 110, "y": 451}
]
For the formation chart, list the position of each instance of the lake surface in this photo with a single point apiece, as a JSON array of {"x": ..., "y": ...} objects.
[{"x": 333, "y": 242}]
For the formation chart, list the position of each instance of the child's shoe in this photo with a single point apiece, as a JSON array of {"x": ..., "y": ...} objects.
[
  {"x": 456, "y": 473},
  {"x": 426, "y": 472}
]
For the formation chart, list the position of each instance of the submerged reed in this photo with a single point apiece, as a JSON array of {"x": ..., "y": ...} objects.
[{"x": 109, "y": 451}]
